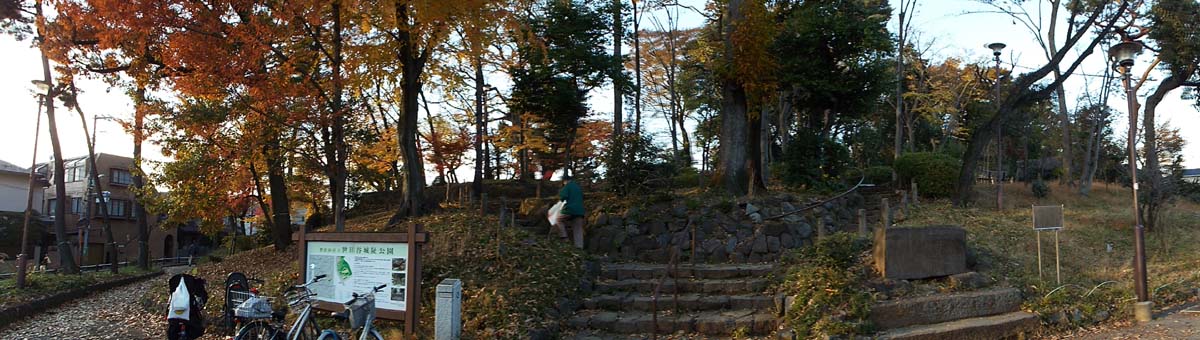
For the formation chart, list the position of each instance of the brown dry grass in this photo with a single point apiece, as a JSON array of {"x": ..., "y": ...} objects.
[{"x": 1007, "y": 242}]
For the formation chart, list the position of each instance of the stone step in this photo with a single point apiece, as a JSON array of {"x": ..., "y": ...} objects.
[
  {"x": 646, "y": 271},
  {"x": 686, "y": 285},
  {"x": 598, "y": 335},
  {"x": 988, "y": 327},
  {"x": 705, "y": 323},
  {"x": 934, "y": 309},
  {"x": 685, "y": 302}
]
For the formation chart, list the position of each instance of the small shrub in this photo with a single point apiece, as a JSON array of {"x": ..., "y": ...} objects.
[
  {"x": 686, "y": 177},
  {"x": 1040, "y": 189},
  {"x": 935, "y": 173},
  {"x": 877, "y": 175},
  {"x": 827, "y": 281},
  {"x": 809, "y": 161}
]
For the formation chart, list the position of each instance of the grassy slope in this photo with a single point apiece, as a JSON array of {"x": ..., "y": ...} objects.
[
  {"x": 506, "y": 293},
  {"x": 1007, "y": 245}
]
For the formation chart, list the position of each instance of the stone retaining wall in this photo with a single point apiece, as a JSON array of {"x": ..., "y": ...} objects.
[{"x": 725, "y": 232}]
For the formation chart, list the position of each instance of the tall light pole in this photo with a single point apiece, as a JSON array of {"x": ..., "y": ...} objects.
[
  {"x": 996, "y": 48},
  {"x": 1122, "y": 56},
  {"x": 23, "y": 257}
]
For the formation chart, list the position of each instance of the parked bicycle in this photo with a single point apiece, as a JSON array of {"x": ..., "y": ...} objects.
[
  {"x": 263, "y": 322},
  {"x": 360, "y": 312}
]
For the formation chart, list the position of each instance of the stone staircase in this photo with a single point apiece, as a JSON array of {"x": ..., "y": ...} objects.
[
  {"x": 987, "y": 314},
  {"x": 703, "y": 301}
]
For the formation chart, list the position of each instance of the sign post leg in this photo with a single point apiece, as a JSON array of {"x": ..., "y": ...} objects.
[
  {"x": 1039, "y": 249},
  {"x": 1057, "y": 267}
]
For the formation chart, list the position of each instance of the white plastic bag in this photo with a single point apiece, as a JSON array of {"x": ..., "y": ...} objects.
[
  {"x": 555, "y": 214},
  {"x": 254, "y": 307},
  {"x": 180, "y": 305}
]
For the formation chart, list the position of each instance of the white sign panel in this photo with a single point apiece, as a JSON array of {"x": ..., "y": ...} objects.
[{"x": 358, "y": 267}]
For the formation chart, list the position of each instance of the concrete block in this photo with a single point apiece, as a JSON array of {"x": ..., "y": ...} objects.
[{"x": 448, "y": 310}]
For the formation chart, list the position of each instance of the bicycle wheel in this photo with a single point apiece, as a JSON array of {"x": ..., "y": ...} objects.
[
  {"x": 309, "y": 331},
  {"x": 329, "y": 335},
  {"x": 256, "y": 330}
]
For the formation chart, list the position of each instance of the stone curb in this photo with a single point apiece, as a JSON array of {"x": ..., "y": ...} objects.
[{"x": 15, "y": 313}]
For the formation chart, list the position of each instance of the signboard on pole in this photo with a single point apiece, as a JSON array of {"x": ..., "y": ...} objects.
[{"x": 358, "y": 262}]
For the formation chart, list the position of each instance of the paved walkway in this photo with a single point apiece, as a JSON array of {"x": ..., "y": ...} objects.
[
  {"x": 1175, "y": 325},
  {"x": 112, "y": 314}
]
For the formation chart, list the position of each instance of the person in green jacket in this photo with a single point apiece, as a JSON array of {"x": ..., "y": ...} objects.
[{"x": 573, "y": 211}]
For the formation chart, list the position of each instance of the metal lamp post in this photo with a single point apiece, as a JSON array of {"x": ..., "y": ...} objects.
[
  {"x": 43, "y": 88},
  {"x": 996, "y": 48},
  {"x": 1122, "y": 55}
]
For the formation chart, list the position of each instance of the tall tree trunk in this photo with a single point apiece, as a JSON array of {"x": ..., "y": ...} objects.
[
  {"x": 1065, "y": 125},
  {"x": 96, "y": 188},
  {"x": 281, "y": 219},
  {"x": 618, "y": 38},
  {"x": 763, "y": 148},
  {"x": 755, "y": 163},
  {"x": 339, "y": 130},
  {"x": 733, "y": 147},
  {"x": 412, "y": 60},
  {"x": 1153, "y": 171},
  {"x": 899, "y": 137},
  {"x": 637, "y": 72},
  {"x": 480, "y": 126},
  {"x": 65, "y": 259},
  {"x": 139, "y": 180}
]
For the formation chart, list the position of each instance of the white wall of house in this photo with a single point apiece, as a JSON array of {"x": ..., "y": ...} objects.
[{"x": 14, "y": 191}]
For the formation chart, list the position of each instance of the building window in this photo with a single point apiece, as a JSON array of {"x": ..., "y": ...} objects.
[
  {"x": 121, "y": 177},
  {"x": 76, "y": 171},
  {"x": 118, "y": 208},
  {"x": 77, "y": 205},
  {"x": 51, "y": 206}
]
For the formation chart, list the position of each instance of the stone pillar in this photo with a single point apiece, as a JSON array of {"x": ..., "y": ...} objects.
[
  {"x": 916, "y": 196},
  {"x": 885, "y": 213},
  {"x": 483, "y": 204},
  {"x": 862, "y": 222},
  {"x": 904, "y": 203},
  {"x": 448, "y": 313},
  {"x": 820, "y": 227}
]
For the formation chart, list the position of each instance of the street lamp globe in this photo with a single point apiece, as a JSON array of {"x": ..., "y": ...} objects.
[
  {"x": 996, "y": 48},
  {"x": 42, "y": 85},
  {"x": 1122, "y": 54}
]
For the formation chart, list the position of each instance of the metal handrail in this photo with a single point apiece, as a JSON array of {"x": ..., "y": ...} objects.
[
  {"x": 827, "y": 200},
  {"x": 163, "y": 262}
]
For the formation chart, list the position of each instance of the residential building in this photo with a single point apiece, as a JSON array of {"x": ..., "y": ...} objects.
[
  {"x": 1191, "y": 175},
  {"x": 14, "y": 189},
  {"x": 85, "y": 220}
]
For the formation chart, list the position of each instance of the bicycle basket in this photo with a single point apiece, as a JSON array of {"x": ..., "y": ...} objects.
[
  {"x": 359, "y": 311},
  {"x": 254, "y": 307}
]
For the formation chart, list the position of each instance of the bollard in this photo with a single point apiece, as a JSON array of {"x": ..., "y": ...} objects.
[
  {"x": 820, "y": 228},
  {"x": 862, "y": 222},
  {"x": 483, "y": 204},
  {"x": 916, "y": 197},
  {"x": 448, "y": 313},
  {"x": 885, "y": 214}
]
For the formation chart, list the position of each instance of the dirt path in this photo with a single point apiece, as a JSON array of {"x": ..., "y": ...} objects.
[
  {"x": 1174, "y": 325},
  {"x": 112, "y": 314}
]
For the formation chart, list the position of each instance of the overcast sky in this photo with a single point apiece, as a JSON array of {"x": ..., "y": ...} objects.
[{"x": 942, "y": 25}]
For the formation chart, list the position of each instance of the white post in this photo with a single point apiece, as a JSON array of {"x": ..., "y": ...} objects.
[{"x": 448, "y": 310}]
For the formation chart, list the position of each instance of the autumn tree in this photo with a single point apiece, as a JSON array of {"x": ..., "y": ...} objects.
[
  {"x": 1091, "y": 21},
  {"x": 20, "y": 19},
  {"x": 562, "y": 57},
  {"x": 662, "y": 49},
  {"x": 1175, "y": 32}
]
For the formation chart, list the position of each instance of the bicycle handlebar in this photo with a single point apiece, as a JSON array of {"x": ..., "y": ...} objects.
[{"x": 373, "y": 291}]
